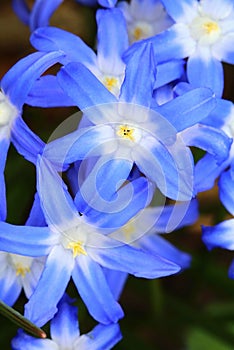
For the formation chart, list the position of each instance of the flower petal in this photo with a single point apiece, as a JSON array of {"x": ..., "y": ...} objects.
[
  {"x": 4, "y": 145},
  {"x": 47, "y": 92},
  {"x": 101, "y": 337},
  {"x": 154, "y": 244},
  {"x": 210, "y": 139},
  {"x": 18, "y": 81},
  {"x": 56, "y": 202},
  {"x": 52, "y": 284},
  {"x": 112, "y": 32},
  {"x": 64, "y": 327},
  {"x": 220, "y": 235},
  {"x": 27, "y": 143},
  {"x": 226, "y": 190},
  {"x": 21, "y": 9},
  {"x": 168, "y": 71},
  {"x": 26, "y": 240},
  {"x": 139, "y": 83},
  {"x": 55, "y": 39},
  {"x": 181, "y": 9},
  {"x": 75, "y": 78},
  {"x": 188, "y": 109},
  {"x": 95, "y": 193},
  {"x": 95, "y": 292},
  {"x": 119, "y": 256},
  {"x": 203, "y": 70},
  {"x": 41, "y": 12},
  {"x": 222, "y": 50}
]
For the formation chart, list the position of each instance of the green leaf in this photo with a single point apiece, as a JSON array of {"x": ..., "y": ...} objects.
[{"x": 200, "y": 339}]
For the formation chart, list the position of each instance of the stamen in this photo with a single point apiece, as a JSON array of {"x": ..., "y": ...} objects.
[
  {"x": 210, "y": 27},
  {"x": 126, "y": 132},
  {"x": 110, "y": 83},
  {"x": 76, "y": 248},
  {"x": 21, "y": 270}
]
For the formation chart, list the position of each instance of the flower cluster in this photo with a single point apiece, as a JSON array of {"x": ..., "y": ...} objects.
[{"x": 120, "y": 171}]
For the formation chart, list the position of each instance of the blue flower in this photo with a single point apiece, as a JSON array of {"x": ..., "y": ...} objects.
[
  {"x": 65, "y": 333},
  {"x": 125, "y": 130},
  {"x": 203, "y": 32},
  {"x": 18, "y": 271},
  {"x": 77, "y": 248},
  {"x": 144, "y": 18},
  {"x": 15, "y": 87},
  {"x": 221, "y": 235}
]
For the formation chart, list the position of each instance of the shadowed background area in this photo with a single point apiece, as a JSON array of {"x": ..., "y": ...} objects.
[{"x": 193, "y": 310}]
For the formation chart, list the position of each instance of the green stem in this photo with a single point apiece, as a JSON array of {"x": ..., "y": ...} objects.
[{"x": 21, "y": 321}]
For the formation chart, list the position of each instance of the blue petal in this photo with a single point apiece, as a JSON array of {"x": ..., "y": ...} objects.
[
  {"x": 64, "y": 327},
  {"x": 21, "y": 9},
  {"x": 123, "y": 205},
  {"x": 117, "y": 255},
  {"x": 80, "y": 144},
  {"x": 155, "y": 244},
  {"x": 188, "y": 109},
  {"x": 41, "y": 12},
  {"x": 222, "y": 50},
  {"x": 25, "y": 342},
  {"x": 116, "y": 281},
  {"x": 226, "y": 190},
  {"x": 206, "y": 72},
  {"x": 139, "y": 83},
  {"x": 82, "y": 86},
  {"x": 173, "y": 217},
  {"x": 46, "y": 92},
  {"x": 55, "y": 39},
  {"x": 26, "y": 240},
  {"x": 36, "y": 216},
  {"x": 107, "y": 3},
  {"x": 95, "y": 292},
  {"x": 4, "y": 145},
  {"x": 206, "y": 172},
  {"x": 231, "y": 270},
  {"x": 95, "y": 193},
  {"x": 168, "y": 71},
  {"x": 19, "y": 80},
  {"x": 171, "y": 169},
  {"x": 27, "y": 143},
  {"x": 56, "y": 202},
  {"x": 42, "y": 305},
  {"x": 220, "y": 235},
  {"x": 101, "y": 337},
  {"x": 173, "y": 43},
  {"x": 112, "y": 33},
  {"x": 219, "y": 115},
  {"x": 210, "y": 139},
  {"x": 179, "y": 8},
  {"x": 10, "y": 288}
]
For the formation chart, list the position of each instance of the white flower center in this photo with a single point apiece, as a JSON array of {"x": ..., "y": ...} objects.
[
  {"x": 140, "y": 30},
  {"x": 112, "y": 83},
  {"x": 205, "y": 30},
  {"x": 129, "y": 132},
  {"x": 21, "y": 264},
  {"x": 7, "y": 111}
]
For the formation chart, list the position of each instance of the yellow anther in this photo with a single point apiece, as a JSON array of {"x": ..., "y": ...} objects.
[
  {"x": 110, "y": 83},
  {"x": 21, "y": 270},
  {"x": 138, "y": 34},
  {"x": 126, "y": 132},
  {"x": 77, "y": 248},
  {"x": 211, "y": 27}
]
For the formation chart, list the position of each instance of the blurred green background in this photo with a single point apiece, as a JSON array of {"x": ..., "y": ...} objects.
[{"x": 193, "y": 310}]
